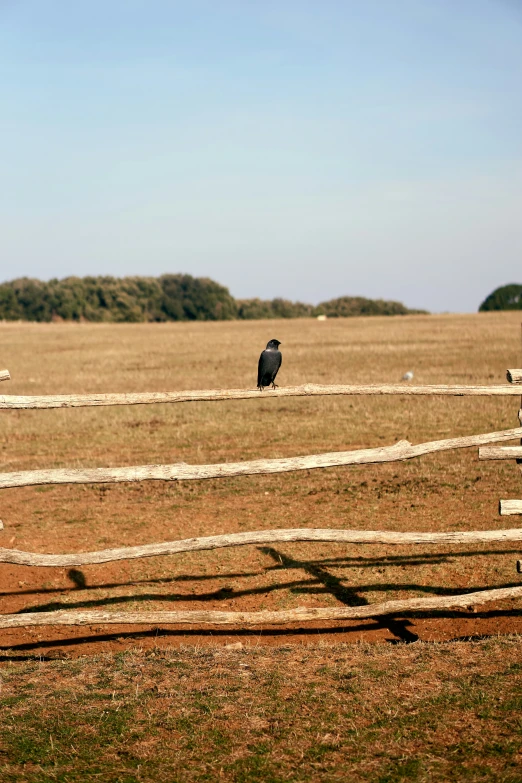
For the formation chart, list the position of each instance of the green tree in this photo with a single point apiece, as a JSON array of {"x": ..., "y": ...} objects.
[
  {"x": 249, "y": 309},
  {"x": 32, "y": 300},
  {"x": 167, "y": 298},
  {"x": 507, "y": 297},
  {"x": 350, "y": 306},
  {"x": 187, "y": 298}
]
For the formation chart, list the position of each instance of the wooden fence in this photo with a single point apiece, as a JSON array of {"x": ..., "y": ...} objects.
[{"x": 403, "y": 450}]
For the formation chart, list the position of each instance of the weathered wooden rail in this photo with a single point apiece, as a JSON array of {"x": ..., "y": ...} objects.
[
  {"x": 402, "y": 450},
  {"x": 263, "y": 537},
  {"x": 214, "y": 395},
  {"x": 302, "y": 614},
  {"x": 501, "y": 452}
]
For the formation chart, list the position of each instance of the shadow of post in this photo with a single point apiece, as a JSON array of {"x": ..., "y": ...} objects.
[{"x": 345, "y": 595}]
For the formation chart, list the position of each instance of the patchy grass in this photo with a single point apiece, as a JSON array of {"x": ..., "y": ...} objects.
[
  {"x": 313, "y": 710},
  {"x": 448, "y": 491},
  {"x": 419, "y": 712}
]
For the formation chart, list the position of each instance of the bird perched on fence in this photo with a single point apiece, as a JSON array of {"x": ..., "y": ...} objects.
[{"x": 269, "y": 364}]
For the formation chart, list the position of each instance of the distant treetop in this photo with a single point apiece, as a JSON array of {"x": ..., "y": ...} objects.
[
  {"x": 167, "y": 298},
  {"x": 507, "y": 297},
  {"x": 348, "y": 306}
]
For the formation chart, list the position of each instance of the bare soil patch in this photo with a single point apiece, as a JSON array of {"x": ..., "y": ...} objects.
[
  {"x": 271, "y": 704},
  {"x": 445, "y": 492}
]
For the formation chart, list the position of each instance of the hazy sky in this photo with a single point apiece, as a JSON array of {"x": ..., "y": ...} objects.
[{"x": 298, "y": 148}]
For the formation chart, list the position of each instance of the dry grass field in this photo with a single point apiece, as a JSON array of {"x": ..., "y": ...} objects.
[{"x": 343, "y": 701}]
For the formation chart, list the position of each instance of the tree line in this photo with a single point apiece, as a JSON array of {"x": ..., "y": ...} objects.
[{"x": 176, "y": 297}]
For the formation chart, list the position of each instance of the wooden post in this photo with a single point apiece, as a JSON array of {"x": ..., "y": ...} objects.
[
  {"x": 508, "y": 507},
  {"x": 513, "y": 377}
]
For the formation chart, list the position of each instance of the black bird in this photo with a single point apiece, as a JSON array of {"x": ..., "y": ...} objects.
[{"x": 269, "y": 364}]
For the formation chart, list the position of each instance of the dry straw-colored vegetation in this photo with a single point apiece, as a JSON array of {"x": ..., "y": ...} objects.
[
  {"x": 324, "y": 713},
  {"x": 375, "y": 725}
]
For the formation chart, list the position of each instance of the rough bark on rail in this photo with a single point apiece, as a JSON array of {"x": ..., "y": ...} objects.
[
  {"x": 210, "y": 395},
  {"x": 500, "y": 452},
  {"x": 402, "y": 450},
  {"x": 17, "y": 557},
  {"x": 303, "y": 614}
]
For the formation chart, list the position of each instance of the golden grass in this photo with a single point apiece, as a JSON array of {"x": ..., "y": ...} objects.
[
  {"x": 46, "y": 359},
  {"x": 449, "y": 491},
  {"x": 307, "y": 708}
]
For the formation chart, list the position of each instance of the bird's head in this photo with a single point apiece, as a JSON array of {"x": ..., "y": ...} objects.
[{"x": 272, "y": 345}]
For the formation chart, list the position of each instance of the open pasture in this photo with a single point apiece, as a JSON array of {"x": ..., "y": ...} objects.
[{"x": 445, "y": 492}]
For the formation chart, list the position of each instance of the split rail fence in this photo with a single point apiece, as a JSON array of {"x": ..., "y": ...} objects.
[{"x": 403, "y": 450}]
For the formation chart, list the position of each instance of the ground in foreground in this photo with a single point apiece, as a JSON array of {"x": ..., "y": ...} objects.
[
  {"x": 139, "y": 704},
  {"x": 424, "y": 712}
]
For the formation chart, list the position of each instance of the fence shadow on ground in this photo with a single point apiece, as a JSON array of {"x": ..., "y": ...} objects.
[{"x": 320, "y": 581}]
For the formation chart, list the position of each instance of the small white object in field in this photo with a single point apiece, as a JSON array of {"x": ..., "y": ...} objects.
[
  {"x": 322, "y": 317},
  {"x": 408, "y": 376}
]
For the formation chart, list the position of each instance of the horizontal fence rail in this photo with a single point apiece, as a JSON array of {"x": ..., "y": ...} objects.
[
  {"x": 17, "y": 557},
  {"x": 302, "y": 614},
  {"x": 213, "y": 395},
  {"x": 501, "y": 452},
  {"x": 402, "y": 450}
]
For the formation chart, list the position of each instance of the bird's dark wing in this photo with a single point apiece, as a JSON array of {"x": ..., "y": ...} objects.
[
  {"x": 269, "y": 364},
  {"x": 261, "y": 369},
  {"x": 279, "y": 362}
]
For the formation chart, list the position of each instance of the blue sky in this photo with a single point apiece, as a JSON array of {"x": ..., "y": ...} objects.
[{"x": 296, "y": 148}]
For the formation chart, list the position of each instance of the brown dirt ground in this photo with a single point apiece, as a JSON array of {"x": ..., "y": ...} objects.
[{"x": 452, "y": 491}]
